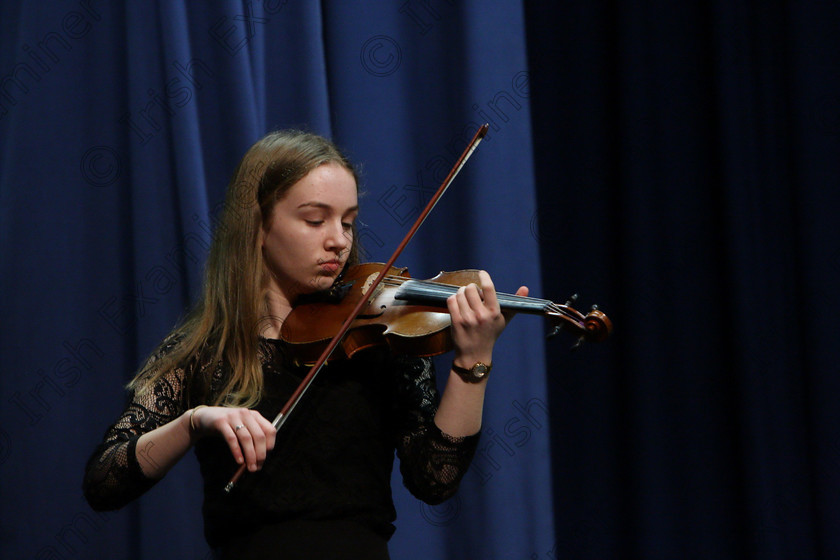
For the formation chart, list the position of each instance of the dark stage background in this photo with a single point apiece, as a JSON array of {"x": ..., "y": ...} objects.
[{"x": 674, "y": 162}]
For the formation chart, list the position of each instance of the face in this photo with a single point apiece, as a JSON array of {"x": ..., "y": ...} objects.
[{"x": 308, "y": 238}]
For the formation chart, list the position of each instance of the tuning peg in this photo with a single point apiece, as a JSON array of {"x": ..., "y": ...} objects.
[{"x": 571, "y": 300}]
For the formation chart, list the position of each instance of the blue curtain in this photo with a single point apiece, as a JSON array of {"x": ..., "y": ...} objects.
[
  {"x": 121, "y": 125},
  {"x": 675, "y": 163}
]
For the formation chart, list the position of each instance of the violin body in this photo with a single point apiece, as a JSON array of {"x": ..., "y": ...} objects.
[{"x": 409, "y": 315}]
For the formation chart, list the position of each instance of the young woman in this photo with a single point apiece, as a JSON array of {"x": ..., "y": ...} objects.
[{"x": 288, "y": 230}]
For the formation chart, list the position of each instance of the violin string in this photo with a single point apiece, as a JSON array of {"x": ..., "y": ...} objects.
[{"x": 438, "y": 292}]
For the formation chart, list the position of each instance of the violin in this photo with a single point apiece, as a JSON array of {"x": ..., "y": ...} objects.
[{"x": 409, "y": 315}]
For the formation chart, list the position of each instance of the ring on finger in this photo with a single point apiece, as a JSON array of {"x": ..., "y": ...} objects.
[{"x": 239, "y": 427}]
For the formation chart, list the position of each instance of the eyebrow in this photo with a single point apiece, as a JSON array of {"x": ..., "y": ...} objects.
[{"x": 326, "y": 206}]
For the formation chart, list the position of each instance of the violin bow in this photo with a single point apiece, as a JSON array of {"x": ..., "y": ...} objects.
[{"x": 281, "y": 417}]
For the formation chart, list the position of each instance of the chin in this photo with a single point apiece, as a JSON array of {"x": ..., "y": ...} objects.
[{"x": 322, "y": 283}]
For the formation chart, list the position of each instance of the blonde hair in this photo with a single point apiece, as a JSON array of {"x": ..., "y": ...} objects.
[{"x": 224, "y": 326}]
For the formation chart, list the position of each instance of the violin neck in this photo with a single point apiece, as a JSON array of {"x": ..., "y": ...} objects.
[{"x": 433, "y": 293}]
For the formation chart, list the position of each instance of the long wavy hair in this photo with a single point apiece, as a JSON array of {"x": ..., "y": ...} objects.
[{"x": 225, "y": 324}]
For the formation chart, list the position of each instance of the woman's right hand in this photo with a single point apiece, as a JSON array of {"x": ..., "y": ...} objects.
[{"x": 248, "y": 434}]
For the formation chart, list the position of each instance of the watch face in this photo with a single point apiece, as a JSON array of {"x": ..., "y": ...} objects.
[{"x": 473, "y": 375}]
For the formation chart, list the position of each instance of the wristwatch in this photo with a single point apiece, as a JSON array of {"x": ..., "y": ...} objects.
[{"x": 477, "y": 373}]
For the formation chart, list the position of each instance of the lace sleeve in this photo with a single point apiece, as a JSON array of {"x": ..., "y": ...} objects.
[
  {"x": 432, "y": 463},
  {"x": 113, "y": 476}
]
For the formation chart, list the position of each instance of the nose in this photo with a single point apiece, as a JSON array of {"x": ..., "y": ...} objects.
[{"x": 338, "y": 238}]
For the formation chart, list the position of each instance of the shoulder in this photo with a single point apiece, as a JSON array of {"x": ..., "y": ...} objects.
[{"x": 171, "y": 362}]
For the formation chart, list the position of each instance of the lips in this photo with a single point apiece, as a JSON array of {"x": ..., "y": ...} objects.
[{"x": 331, "y": 266}]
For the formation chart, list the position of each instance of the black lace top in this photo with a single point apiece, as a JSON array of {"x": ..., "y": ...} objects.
[{"x": 332, "y": 458}]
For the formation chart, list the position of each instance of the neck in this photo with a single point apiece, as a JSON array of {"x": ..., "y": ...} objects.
[
  {"x": 435, "y": 293},
  {"x": 277, "y": 308}
]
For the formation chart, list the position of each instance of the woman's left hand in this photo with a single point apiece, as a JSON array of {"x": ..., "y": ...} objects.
[{"x": 477, "y": 320}]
